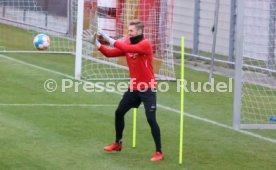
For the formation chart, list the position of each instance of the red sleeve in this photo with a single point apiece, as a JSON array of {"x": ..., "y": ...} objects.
[
  {"x": 111, "y": 52},
  {"x": 143, "y": 47}
]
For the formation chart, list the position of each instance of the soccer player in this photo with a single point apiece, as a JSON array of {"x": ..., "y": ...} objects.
[{"x": 139, "y": 56}]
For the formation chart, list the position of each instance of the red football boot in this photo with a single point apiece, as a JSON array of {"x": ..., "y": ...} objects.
[
  {"x": 158, "y": 156},
  {"x": 113, "y": 147}
]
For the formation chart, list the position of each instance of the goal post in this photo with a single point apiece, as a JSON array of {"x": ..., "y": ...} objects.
[
  {"x": 255, "y": 75},
  {"x": 78, "y": 58}
]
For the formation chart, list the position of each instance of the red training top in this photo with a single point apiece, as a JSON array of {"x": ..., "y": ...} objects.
[{"x": 139, "y": 59}]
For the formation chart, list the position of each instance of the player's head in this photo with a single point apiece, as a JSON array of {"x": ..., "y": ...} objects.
[
  {"x": 135, "y": 31},
  {"x": 135, "y": 28}
]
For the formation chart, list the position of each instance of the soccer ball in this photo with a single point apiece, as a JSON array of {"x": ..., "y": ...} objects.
[{"x": 41, "y": 42}]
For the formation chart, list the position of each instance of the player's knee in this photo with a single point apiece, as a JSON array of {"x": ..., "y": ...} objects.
[
  {"x": 151, "y": 120},
  {"x": 151, "y": 113},
  {"x": 119, "y": 113}
]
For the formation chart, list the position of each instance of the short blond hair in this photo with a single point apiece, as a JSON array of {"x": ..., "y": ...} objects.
[{"x": 138, "y": 24}]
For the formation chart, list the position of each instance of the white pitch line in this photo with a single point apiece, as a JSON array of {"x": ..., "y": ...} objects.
[
  {"x": 159, "y": 105},
  {"x": 55, "y": 105}
]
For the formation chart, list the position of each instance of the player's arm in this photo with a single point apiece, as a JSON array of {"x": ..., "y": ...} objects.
[
  {"x": 142, "y": 48},
  {"x": 111, "y": 52}
]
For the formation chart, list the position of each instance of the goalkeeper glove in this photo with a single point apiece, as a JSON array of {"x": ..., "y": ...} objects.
[
  {"x": 91, "y": 37},
  {"x": 107, "y": 38}
]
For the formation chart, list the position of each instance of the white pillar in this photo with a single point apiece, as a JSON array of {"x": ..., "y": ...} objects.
[{"x": 78, "y": 58}]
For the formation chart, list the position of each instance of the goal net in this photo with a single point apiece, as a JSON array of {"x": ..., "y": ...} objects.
[
  {"x": 258, "y": 81},
  {"x": 113, "y": 17}
]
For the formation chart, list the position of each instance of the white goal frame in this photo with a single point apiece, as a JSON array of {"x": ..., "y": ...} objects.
[{"x": 239, "y": 73}]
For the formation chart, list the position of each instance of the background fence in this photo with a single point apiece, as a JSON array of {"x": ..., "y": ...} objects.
[{"x": 195, "y": 18}]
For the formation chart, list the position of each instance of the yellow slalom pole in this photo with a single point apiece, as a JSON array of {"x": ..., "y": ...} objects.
[
  {"x": 182, "y": 99},
  {"x": 134, "y": 128}
]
